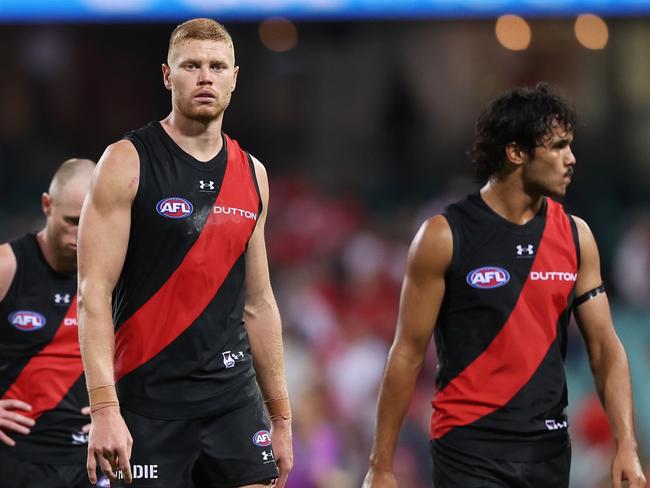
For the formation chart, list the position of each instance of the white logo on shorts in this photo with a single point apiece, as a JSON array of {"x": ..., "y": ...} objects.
[
  {"x": 141, "y": 471},
  {"x": 79, "y": 438},
  {"x": 553, "y": 425}
]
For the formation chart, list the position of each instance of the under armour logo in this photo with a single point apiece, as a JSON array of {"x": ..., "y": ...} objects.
[
  {"x": 206, "y": 186},
  {"x": 528, "y": 250},
  {"x": 62, "y": 299},
  {"x": 79, "y": 438},
  {"x": 267, "y": 455}
]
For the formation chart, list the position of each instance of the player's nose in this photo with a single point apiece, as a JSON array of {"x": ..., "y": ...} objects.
[
  {"x": 204, "y": 76},
  {"x": 570, "y": 158}
]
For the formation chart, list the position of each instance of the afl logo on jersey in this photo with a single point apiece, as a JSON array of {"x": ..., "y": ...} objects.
[
  {"x": 488, "y": 277},
  {"x": 174, "y": 208},
  {"x": 262, "y": 438},
  {"x": 27, "y": 321}
]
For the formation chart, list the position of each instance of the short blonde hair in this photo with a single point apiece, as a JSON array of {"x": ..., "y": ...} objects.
[{"x": 202, "y": 29}]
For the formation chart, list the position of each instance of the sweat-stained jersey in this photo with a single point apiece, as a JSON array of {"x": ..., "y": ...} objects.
[
  {"x": 501, "y": 333},
  {"x": 40, "y": 361},
  {"x": 181, "y": 350}
]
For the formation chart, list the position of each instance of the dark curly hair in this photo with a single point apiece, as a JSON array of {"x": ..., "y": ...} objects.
[{"x": 523, "y": 116}]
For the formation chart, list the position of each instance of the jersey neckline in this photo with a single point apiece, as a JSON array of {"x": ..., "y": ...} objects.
[
  {"x": 477, "y": 199},
  {"x": 218, "y": 160}
]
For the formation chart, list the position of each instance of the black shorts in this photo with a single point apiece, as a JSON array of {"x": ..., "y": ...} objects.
[
  {"x": 223, "y": 451},
  {"x": 453, "y": 468},
  {"x": 19, "y": 473}
]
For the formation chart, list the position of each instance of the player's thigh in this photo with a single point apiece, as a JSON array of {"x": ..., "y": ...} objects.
[
  {"x": 164, "y": 452},
  {"x": 236, "y": 449}
]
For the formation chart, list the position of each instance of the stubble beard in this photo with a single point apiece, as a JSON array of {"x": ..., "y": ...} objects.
[{"x": 205, "y": 113}]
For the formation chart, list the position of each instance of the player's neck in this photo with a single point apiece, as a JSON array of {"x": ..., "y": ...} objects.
[
  {"x": 509, "y": 199},
  {"x": 201, "y": 140},
  {"x": 56, "y": 262}
]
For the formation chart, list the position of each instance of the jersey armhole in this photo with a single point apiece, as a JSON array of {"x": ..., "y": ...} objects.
[
  {"x": 576, "y": 236},
  {"x": 251, "y": 166}
]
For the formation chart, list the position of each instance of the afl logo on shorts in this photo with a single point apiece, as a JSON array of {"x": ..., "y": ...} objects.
[
  {"x": 174, "y": 208},
  {"x": 262, "y": 438},
  {"x": 27, "y": 321},
  {"x": 488, "y": 277}
]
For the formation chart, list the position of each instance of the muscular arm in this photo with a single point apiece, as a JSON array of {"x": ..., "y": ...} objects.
[
  {"x": 264, "y": 329},
  {"x": 422, "y": 293},
  {"x": 607, "y": 359},
  {"x": 103, "y": 240}
]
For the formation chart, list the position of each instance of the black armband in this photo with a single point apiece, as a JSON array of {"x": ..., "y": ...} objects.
[{"x": 589, "y": 295}]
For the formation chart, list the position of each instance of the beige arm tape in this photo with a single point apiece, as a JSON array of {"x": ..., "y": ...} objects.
[
  {"x": 102, "y": 397},
  {"x": 279, "y": 408}
]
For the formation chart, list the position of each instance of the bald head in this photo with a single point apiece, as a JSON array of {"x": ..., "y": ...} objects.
[
  {"x": 62, "y": 208},
  {"x": 72, "y": 176}
]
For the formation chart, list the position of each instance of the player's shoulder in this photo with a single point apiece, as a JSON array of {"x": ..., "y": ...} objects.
[
  {"x": 586, "y": 240},
  {"x": 6, "y": 255},
  {"x": 121, "y": 155},
  {"x": 261, "y": 176},
  {"x": 584, "y": 232},
  {"x": 118, "y": 170},
  {"x": 432, "y": 245},
  {"x": 260, "y": 169},
  {"x": 435, "y": 228},
  {"x": 7, "y": 268}
]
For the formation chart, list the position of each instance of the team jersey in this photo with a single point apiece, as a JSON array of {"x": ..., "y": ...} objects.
[
  {"x": 40, "y": 361},
  {"x": 501, "y": 332},
  {"x": 181, "y": 349}
]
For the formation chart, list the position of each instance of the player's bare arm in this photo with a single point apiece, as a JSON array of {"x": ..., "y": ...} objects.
[
  {"x": 422, "y": 293},
  {"x": 10, "y": 419},
  {"x": 7, "y": 269},
  {"x": 264, "y": 328},
  {"x": 608, "y": 360},
  {"x": 103, "y": 241}
]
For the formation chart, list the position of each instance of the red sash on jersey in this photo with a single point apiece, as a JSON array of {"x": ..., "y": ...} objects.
[
  {"x": 191, "y": 287},
  {"x": 49, "y": 376},
  {"x": 509, "y": 362}
]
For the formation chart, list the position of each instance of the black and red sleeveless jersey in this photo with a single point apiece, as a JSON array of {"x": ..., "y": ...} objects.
[
  {"x": 181, "y": 349},
  {"x": 501, "y": 332},
  {"x": 40, "y": 362}
]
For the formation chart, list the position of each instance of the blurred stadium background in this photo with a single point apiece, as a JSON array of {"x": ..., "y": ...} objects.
[{"x": 362, "y": 112}]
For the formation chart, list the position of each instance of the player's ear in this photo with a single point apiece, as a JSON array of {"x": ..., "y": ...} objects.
[
  {"x": 166, "y": 72},
  {"x": 234, "y": 79},
  {"x": 46, "y": 204},
  {"x": 515, "y": 154}
]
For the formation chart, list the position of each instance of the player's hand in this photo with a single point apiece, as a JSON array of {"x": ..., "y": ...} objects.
[
  {"x": 10, "y": 420},
  {"x": 282, "y": 449},
  {"x": 86, "y": 428},
  {"x": 379, "y": 479},
  {"x": 627, "y": 467},
  {"x": 109, "y": 444}
]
